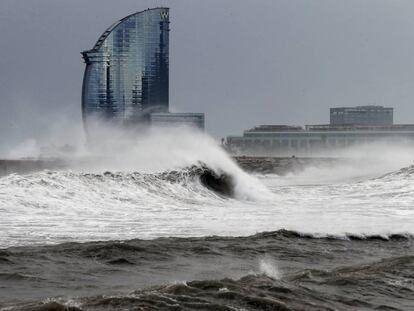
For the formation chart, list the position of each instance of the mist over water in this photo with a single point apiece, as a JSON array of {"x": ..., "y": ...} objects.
[{"x": 114, "y": 189}]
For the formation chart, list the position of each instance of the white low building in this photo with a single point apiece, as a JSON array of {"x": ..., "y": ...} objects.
[{"x": 173, "y": 119}]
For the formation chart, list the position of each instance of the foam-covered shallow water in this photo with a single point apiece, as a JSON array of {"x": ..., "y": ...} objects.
[
  {"x": 61, "y": 206},
  {"x": 73, "y": 240}
]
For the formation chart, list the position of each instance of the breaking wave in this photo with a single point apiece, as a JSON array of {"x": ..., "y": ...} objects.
[
  {"x": 60, "y": 206},
  {"x": 199, "y": 179},
  {"x": 404, "y": 173}
]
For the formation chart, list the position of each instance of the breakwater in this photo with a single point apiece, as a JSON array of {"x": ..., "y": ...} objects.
[
  {"x": 24, "y": 166},
  {"x": 282, "y": 165},
  {"x": 264, "y": 165}
]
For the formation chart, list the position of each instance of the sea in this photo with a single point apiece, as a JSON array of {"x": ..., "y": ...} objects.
[{"x": 148, "y": 232}]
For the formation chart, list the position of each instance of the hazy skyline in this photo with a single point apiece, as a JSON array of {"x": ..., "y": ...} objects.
[{"x": 243, "y": 63}]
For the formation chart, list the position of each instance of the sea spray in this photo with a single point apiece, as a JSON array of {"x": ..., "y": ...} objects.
[{"x": 119, "y": 193}]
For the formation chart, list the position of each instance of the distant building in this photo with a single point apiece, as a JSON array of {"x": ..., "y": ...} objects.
[
  {"x": 275, "y": 128},
  {"x": 127, "y": 71},
  {"x": 126, "y": 78},
  {"x": 178, "y": 119},
  {"x": 361, "y": 115},
  {"x": 282, "y": 140}
]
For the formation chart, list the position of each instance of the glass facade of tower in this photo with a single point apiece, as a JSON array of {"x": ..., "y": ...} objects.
[{"x": 126, "y": 75}]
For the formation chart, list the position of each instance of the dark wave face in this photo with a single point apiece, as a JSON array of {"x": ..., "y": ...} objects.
[
  {"x": 219, "y": 182},
  {"x": 281, "y": 270}
]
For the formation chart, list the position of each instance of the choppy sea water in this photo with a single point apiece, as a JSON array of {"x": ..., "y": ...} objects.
[{"x": 145, "y": 241}]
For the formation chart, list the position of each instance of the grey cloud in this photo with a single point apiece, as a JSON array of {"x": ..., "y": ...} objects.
[{"x": 241, "y": 62}]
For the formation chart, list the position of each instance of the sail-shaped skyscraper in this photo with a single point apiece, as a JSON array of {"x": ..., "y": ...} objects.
[{"x": 127, "y": 71}]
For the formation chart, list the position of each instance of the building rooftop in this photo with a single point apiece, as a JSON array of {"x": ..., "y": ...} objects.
[
  {"x": 276, "y": 128},
  {"x": 363, "y": 107},
  {"x": 106, "y": 33},
  {"x": 357, "y": 127}
]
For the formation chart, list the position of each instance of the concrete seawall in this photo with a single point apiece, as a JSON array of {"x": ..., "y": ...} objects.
[
  {"x": 282, "y": 165},
  {"x": 25, "y": 166},
  {"x": 264, "y": 165}
]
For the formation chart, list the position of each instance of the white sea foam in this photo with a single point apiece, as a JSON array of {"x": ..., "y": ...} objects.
[{"x": 52, "y": 207}]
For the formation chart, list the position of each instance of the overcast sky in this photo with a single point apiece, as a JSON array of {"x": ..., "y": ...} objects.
[{"x": 243, "y": 63}]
